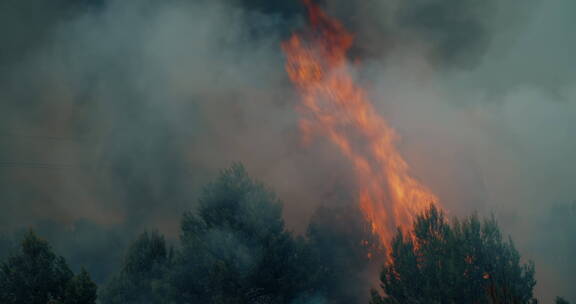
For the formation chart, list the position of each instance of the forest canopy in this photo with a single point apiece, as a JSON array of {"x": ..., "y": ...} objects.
[{"x": 235, "y": 248}]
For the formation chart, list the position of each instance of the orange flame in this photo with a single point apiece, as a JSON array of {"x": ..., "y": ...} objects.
[{"x": 334, "y": 106}]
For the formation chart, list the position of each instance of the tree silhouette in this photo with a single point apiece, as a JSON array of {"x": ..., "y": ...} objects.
[
  {"x": 460, "y": 262},
  {"x": 142, "y": 278},
  {"x": 235, "y": 248},
  {"x": 35, "y": 275}
]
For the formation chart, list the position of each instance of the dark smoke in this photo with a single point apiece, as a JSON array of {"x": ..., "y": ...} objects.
[
  {"x": 455, "y": 34},
  {"x": 457, "y": 29},
  {"x": 114, "y": 113}
]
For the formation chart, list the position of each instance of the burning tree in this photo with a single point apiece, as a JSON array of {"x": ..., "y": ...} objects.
[{"x": 466, "y": 261}]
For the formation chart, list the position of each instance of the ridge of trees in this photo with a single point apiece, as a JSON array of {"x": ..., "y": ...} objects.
[{"x": 234, "y": 248}]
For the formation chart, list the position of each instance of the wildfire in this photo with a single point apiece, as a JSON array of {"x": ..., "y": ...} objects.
[{"x": 334, "y": 106}]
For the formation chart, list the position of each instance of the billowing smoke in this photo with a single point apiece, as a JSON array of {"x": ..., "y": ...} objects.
[{"x": 114, "y": 113}]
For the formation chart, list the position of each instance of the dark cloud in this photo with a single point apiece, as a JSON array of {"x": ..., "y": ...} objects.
[{"x": 458, "y": 31}]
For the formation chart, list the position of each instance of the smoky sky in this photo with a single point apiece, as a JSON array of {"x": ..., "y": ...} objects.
[{"x": 113, "y": 114}]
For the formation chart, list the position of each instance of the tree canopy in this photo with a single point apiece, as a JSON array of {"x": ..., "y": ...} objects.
[
  {"x": 36, "y": 275},
  {"x": 142, "y": 278},
  {"x": 235, "y": 248},
  {"x": 464, "y": 261}
]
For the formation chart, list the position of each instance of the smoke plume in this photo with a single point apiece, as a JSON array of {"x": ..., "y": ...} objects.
[{"x": 114, "y": 113}]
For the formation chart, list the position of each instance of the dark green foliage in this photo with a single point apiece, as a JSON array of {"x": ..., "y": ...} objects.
[
  {"x": 560, "y": 300},
  {"x": 461, "y": 262},
  {"x": 347, "y": 250},
  {"x": 235, "y": 248},
  {"x": 81, "y": 289},
  {"x": 35, "y": 275},
  {"x": 142, "y": 277}
]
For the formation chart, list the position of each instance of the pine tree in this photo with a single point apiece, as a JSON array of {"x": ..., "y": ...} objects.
[
  {"x": 235, "y": 248},
  {"x": 35, "y": 275},
  {"x": 142, "y": 278},
  {"x": 81, "y": 289},
  {"x": 460, "y": 262}
]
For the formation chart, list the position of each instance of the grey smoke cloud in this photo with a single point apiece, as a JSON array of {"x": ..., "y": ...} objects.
[
  {"x": 109, "y": 109},
  {"x": 455, "y": 34},
  {"x": 118, "y": 112}
]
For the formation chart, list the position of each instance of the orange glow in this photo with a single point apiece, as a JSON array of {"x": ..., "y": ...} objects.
[{"x": 334, "y": 106}]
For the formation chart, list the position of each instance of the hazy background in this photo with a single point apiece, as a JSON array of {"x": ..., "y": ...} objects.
[{"x": 114, "y": 113}]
